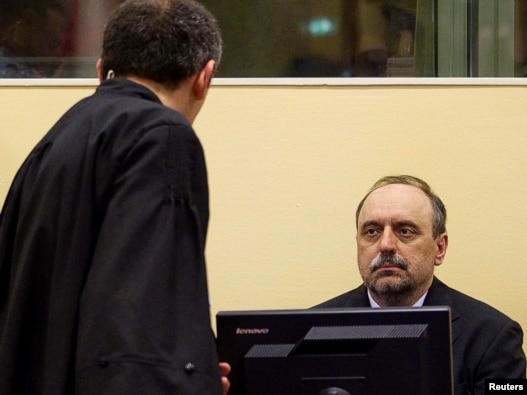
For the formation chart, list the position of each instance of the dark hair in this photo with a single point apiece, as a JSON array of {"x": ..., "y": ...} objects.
[
  {"x": 439, "y": 210},
  {"x": 165, "y": 41}
]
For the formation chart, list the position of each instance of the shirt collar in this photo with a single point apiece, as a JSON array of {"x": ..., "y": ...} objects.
[{"x": 419, "y": 303}]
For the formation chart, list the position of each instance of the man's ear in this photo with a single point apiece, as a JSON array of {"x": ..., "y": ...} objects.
[
  {"x": 98, "y": 66},
  {"x": 442, "y": 245},
  {"x": 203, "y": 79}
]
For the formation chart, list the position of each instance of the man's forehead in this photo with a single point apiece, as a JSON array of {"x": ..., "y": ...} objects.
[{"x": 396, "y": 202}]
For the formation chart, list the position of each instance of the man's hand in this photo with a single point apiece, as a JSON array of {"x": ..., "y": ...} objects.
[{"x": 225, "y": 369}]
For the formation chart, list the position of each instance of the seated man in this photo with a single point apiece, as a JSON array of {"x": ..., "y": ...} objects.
[{"x": 401, "y": 237}]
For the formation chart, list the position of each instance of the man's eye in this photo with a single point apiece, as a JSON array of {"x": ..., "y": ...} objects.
[
  {"x": 370, "y": 232},
  {"x": 406, "y": 232}
]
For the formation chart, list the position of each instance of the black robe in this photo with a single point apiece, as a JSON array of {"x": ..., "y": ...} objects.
[{"x": 103, "y": 285}]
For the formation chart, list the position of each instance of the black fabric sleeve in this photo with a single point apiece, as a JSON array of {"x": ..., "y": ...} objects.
[{"x": 145, "y": 323}]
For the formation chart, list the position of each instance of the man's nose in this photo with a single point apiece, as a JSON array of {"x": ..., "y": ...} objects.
[{"x": 388, "y": 240}]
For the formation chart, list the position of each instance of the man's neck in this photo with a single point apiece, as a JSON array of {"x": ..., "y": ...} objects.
[
  {"x": 376, "y": 301},
  {"x": 179, "y": 99}
]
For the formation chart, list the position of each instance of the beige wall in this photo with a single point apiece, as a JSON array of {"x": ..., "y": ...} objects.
[{"x": 287, "y": 166}]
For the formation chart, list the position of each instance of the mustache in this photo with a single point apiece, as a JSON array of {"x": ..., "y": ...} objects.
[{"x": 392, "y": 259}]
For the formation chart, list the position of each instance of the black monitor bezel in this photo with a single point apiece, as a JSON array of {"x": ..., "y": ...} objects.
[{"x": 261, "y": 326}]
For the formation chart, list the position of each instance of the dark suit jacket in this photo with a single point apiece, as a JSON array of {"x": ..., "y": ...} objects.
[{"x": 485, "y": 342}]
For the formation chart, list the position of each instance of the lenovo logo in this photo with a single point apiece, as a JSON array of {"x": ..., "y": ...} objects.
[{"x": 252, "y": 331}]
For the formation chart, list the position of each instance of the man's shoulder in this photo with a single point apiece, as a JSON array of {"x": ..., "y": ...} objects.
[
  {"x": 123, "y": 113},
  {"x": 463, "y": 304},
  {"x": 124, "y": 99}
]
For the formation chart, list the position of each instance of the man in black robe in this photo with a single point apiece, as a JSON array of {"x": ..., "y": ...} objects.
[{"x": 103, "y": 280}]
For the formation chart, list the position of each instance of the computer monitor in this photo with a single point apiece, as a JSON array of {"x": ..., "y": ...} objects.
[{"x": 358, "y": 351}]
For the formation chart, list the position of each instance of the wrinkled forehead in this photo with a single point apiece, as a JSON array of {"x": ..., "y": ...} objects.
[{"x": 397, "y": 202}]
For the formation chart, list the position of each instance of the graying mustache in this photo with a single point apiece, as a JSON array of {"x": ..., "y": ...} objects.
[{"x": 394, "y": 259}]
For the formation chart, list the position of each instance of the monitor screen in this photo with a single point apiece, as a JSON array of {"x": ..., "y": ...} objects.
[{"x": 358, "y": 351}]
